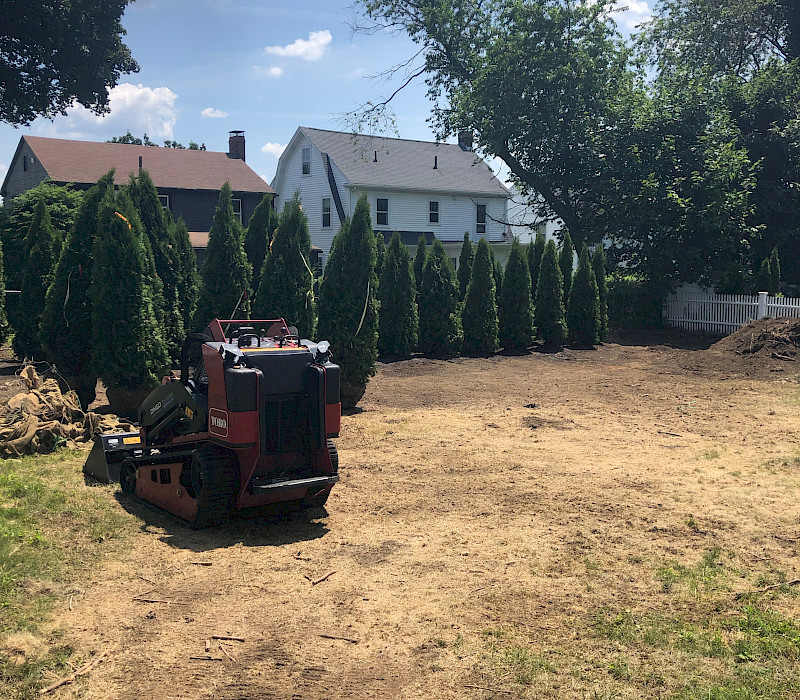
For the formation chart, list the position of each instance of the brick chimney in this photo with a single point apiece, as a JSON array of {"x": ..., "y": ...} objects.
[
  {"x": 236, "y": 145},
  {"x": 465, "y": 140}
]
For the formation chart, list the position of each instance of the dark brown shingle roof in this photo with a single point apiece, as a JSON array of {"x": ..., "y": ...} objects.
[{"x": 86, "y": 161}]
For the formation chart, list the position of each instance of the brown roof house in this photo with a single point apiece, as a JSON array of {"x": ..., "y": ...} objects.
[{"x": 188, "y": 181}]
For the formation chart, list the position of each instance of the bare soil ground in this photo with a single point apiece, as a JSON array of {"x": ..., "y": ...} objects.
[{"x": 514, "y": 498}]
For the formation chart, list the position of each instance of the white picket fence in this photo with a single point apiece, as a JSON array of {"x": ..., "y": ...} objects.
[{"x": 697, "y": 310}]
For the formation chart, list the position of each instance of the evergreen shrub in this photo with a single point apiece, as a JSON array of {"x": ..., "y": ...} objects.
[
  {"x": 397, "y": 319},
  {"x": 515, "y": 309},
  {"x": 479, "y": 315}
]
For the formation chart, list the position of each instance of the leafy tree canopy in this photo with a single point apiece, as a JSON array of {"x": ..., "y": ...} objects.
[
  {"x": 128, "y": 137},
  {"x": 53, "y": 54},
  {"x": 539, "y": 83}
]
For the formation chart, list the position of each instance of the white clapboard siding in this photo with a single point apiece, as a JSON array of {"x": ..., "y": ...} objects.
[{"x": 723, "y": 313}]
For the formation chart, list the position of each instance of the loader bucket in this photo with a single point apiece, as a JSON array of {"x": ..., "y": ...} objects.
[{"x": 108, "y": 452}]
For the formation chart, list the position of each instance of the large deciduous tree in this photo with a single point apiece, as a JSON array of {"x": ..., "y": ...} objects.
[
  {"x": 541, "y": 84},
  {"x": 54, "y": 53}
]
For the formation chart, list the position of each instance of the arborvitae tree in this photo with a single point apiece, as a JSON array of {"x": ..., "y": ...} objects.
[
  {"x": 565, "y": 262},
  {"x": 764, "y": 277},
  {"x": 62, "y": 202},
  {"x": 226, "y": 274},
  {"x": 128, "y": 349},
  {"x": 258, "y": 236},
  {"x": 380, "y": 253},
  {"x": 535, "y": 252},
  {"x": 464, "y": 271},
  {"x": 419, "y": 262},
  {"x": 583, "y": 309},
  {"x": 599, "y": 267},
  {"x": 479, "y": 316},
  {"x": 549, "y": 307},
  {"x": 166, "y": 257},
  {"x": 67, "y": 317},
  {"x": 497, "y": 273},
  {"x": 775, "y": 272},
  {"x": 43, "y": 246},
  {"x": 397, "y": 319},
  {"x": 439, "y": 322},
  {"x": 189, "y": 276},
  {"x": 285, "y": 288},
  {"x": 348, "y": 305},
  {"x": 4, "y": 327},
  {"x": 515, "y": 309}
]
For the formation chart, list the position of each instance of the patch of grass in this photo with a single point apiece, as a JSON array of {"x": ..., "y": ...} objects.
[
  {"x": 713, "y": 453},
  {"x": 52, "y": 529},
  {"x": 619, "y": 669},
  {"x": 706, "y": 575},
  {"x": 23, "y": 678}
]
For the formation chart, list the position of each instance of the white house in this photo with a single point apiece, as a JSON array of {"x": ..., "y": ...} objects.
[{"x": 414, "y": 187}]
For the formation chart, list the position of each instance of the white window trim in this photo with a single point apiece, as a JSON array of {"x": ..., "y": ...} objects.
[
  {"x": 438, "y": 212},
  {"x": 237, "y": 214},
  {"x": 164, "y": 199},
  {"x": 378, "y": 212},
  {"x": 328, "y": 200},
  {"x": 303, "y": 162},
  {"x": 478, "y": 232}
]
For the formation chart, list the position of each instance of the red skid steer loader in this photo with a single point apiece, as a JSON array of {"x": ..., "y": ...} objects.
[{"x": 248, "y": 423}]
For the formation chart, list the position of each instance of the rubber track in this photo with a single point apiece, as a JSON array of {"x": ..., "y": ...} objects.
[{"x": 220, "y": 482}]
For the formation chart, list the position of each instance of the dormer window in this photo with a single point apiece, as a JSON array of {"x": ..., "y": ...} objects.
[{"x": 306, "y": 158}]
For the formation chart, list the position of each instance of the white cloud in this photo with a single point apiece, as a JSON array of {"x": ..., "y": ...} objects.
[
  {"x": 212, "y": 113},
  {"x": 134, "y": 108},
  {"x": 273, "y": 149},
  {"x": 632, "y": 12},
  {"x": 271, "y": 72},
  {"x": 310, "y": 49}
]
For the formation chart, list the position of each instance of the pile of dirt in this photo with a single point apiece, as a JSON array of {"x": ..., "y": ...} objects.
[
  {"x": 42, "y": 419},
  {"x": 778, "y": 338}
]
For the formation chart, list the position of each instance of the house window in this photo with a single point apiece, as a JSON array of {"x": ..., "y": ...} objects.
[
  {"x": 480, "y": 219},
  {"x": 24, "y": 162},
  {"x": 164, "y": 199},
  {"x": 382, "y": 212},
  {"x": 237, "y": 209},
  {"x": 433, "y": 212},
  {"x": 454, "y": 262},
  {"x": 307, "y": 161},
  {"x": 326, "y": 212}
]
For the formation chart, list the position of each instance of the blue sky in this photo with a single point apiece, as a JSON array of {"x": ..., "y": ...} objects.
[{"x": 210, "y": 66}]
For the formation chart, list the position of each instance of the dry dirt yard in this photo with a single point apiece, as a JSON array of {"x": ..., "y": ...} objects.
[{"x": 575, "y": 525}]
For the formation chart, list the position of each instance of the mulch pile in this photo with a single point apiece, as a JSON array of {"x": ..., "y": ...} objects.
[
  {"x": 777, "y": 338},
  {"x": 42, "y": 419}
]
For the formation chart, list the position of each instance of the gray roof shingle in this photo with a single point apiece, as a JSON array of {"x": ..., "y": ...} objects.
[{"x": 377, "y": 161}]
